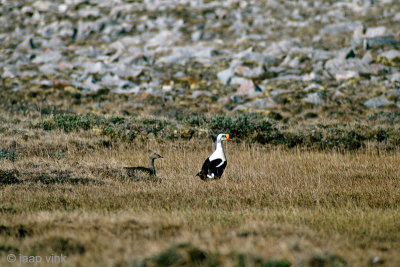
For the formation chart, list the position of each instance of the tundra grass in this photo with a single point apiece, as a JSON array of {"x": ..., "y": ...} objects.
[{"x": 65, "y": 193}]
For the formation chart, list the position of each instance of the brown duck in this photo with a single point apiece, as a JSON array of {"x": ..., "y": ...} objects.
[{"x": 137, "y": 172}]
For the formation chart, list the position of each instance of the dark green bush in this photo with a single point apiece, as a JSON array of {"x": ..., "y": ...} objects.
[
  {"x": 250, "y": 128},
  {"x": 69, "y": 121},
  {"x": 8, "y": 154},
  {"x": 194, "y": 120}
]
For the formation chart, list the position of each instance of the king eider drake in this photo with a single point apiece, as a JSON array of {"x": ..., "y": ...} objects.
[
  {"x": 215, "y": 164},
  {"x": 140, "y": 172}
]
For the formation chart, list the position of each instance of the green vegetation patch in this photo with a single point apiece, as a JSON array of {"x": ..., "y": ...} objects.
[
  {"x": 380, "y": 129},
  {"x": 188, "y": 255}
]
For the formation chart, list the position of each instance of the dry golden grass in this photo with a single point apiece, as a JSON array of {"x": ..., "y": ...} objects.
[{"x": 279, "y": 204}]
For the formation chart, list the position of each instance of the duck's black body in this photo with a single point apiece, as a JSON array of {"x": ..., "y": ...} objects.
[{"x": 214, "y": 165}]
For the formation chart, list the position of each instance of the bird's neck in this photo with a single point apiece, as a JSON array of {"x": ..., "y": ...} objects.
[
  {"x": 151, "y": 165},
  {"x": 219, "y": 147}
]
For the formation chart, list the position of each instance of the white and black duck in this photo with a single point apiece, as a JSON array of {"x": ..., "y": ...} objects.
[{"x": 214, "y": 166}]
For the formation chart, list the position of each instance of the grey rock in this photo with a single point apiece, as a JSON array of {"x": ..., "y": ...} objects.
[
  {"x": 27, "y": 44},
  {"x": 198, "y": 93},
  {"x": 53, "y": 43},
  {"x": 312, "y": 76},
  {"x": 130, "y": 40},
  {"x": 395, "y": 77},
  {"x": 28, "y": 73},
  {"x": 379, "y": 41},
  {"x": 321, "y": 55},
  {"x": 313, "y": 86},
  {"x": 62, "y": 8},
  {"x": 89, "y": 52},
  {"x": 276, "y": 70},
  {"x": 279, "y": 92},
  {"x": 396, "y": 17},
  {"x": 94, "y": 67},
  {"x": 53, "y": 56},
  {"x": 395, "y": 92},
  {"x": 367, "y": 58},
  {"x": 124, "y": 70},
  {"x": 261, "y": 87},
  {"x": 48, "y": 68},
  {"x": 90, "y": 85},
  {"x": 248, "y": 72},
  {"x": 225, "y": 76},
  {"x": 89, "y": 11},
  {"x": 164, "y": 38},
  {"x": 391, "y": 54},
  {"x": 196, "y": 36},
  {"x": 338, "y": 94},
  {"x": 351, "y": 68},
  {"x": 250, "y": 55},
  {"x": 133, "y": 89},
  {"x": 280, "y": 49},
  {"x": 98, "y": 44},
  {"x": 112, "y": 80},
  {"x": 247, "y": 88},
  {"x": 42, "y": 5},
  {"x": 339, "y": 28},
  {"x": 238, "y": 81},
  {"x": 288, "y": 77},
  {"x": 377, "y": 102},
  {"x": 314, "y": 98},
  {"x": 374, "y": 36},
  {"x": 376, "y": 32},
  {"x": 262, "y": 103},
  {"x": 345, "y": 75},
  {"x": 9, "y": 71},
  {"x": 181, "y": 55}
]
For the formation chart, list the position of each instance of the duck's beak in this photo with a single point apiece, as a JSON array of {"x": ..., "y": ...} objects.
[
  {"x": 227, "y": 137},
  {"x": 160, "y": 157}
]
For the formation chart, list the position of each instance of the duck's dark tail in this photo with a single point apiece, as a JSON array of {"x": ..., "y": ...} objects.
[{"x": 201, "y": 175}]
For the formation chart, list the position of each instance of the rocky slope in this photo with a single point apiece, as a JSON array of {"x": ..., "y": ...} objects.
[{"x": 299, "y": 59}]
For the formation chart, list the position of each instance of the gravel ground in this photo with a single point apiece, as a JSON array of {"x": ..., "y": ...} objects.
[{"x": 301, "y": 59}]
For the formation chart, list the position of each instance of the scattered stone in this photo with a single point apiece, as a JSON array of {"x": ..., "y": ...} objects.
[
  {"x": 312, "y": 76},
  {"x": 369, "y": 43},
  {"x": 395, "y": 77},
  {"x": 279, "y": 92},
  {"x": 96, "y": 45},
  {"x": 249, "y": 73},
  {"x": 238, "y": 81},
  {"x": 373, "y": 32},
  {"x": 262, "y": 103},
  {"x": 225, "y": 76},
  {"x": 248, "y": 89},
  {"x": 53, "y": 56},
  {"x": 339, "y": 28},
  {"x": 313, "y": 86},
  {"x": 377, "y": 102},
  {"x": 197, "y": 93},
  {"x": 314, "y": 98},
  {"x": 376, "y": 261},
  {"x": 391, "y": 54},
  {"x": 41, "y": 5}
]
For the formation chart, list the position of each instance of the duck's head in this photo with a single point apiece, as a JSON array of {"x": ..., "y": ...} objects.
[
  {"x": 223, "y": 137},
  {"x": 154, "y": 155}
]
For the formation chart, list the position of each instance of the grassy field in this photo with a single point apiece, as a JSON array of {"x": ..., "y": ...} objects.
[{"x": 65, "y": 193}]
